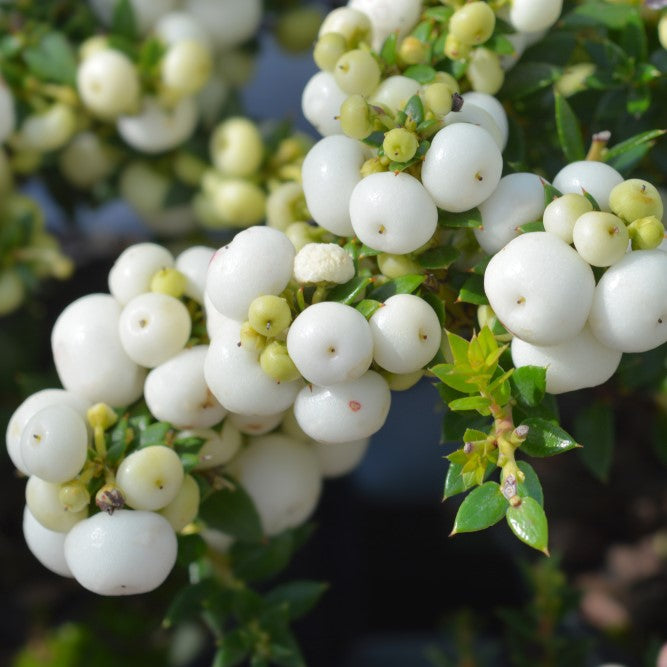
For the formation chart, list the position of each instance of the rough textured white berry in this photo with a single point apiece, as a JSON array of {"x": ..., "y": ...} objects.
[
  {"x": 125, "y": 553},
  {"x": 47, "y": 546},
  {"x": 392, "y": 212},
  {"x": 345, "y": 411},
  {"x": 462, "y": 167},
  {"x": 323, "y": 262},
  {"x": 540, "y": 288},
  {"x": 282, "y": 476},
  {"x": 629, "y": 311},
  {"x": 577, "y": 363},
  {"x": 330, "y": 342}
]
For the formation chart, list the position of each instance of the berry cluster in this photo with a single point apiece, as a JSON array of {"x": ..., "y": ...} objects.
[
  {"x": 109, "y": 490},
  {"x": 565, "y": 317}
]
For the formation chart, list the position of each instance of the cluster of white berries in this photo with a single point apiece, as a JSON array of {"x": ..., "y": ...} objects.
[
  {"x": 542, "y": 287},
  {"x": 111, "y": 350}
]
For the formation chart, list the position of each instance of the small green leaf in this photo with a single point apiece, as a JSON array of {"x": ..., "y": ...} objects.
[
  {"x": 404, "y": 285},
  {"x": 535, "y": 226},
  {"x": 531, "y": 484},
  {"x": 457, "y": 482},
  {"x": 190, "y": 549},
  {"x": 613, "y": 16},
  {"x": 188, "y": 602},
  {"x": 594, "y": 429},
  {"x": 546, "y": 438},
  {"x": 550, "y": 193},
  {"x": 388, "y": 50},
  {"x": 439, "y": 257},
  {"x": 529, "y": 523},
  {"x": 422, "y": 31},
  {"x": 155, "y": 434},
  {"x": 482, "y": 507},
  {"x": 478, "y": 403},
  {"x": 52, "y": 59},
  {"x": 529, "y": 384},
  {"x": 415, "y": 109},
  {"x": 368, "y": 306},
  {"x": 300, "y": 596},
  {"x": 500, "y": 45},
  {"x": 123, "y": 21},
  {"x": 472, "y": 291},
  {"x": 421, "y": 73},
  {"x": 591, "y": 199},
  {"x": 619, "y": 149},
  {"x": 350, "y": 291},
  {"x": 440, "y": 14},
  {"x": 527, "y": 78},
  {"x": 569, "y": 132},
  {"x": 233, "y": 649},
  {"x": 232, "y": 511},
  {"x": 263, "y": 560},
  {"x": 471, "y": 219}
]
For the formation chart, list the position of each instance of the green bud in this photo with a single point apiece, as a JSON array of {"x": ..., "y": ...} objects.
[
  {"x": 373, "y": 165},
  {"x": 101, "y": 416},
  {"x": 169, "y": 281},
  {"x": 277, "y": 364},
  {"x": 269, "y": 315},
  {"x": 328, "y": 49},
  {"x": 646, "y": 233},
  {"x": 355, "y": 117},
  {"x": 400, "y": 144}
]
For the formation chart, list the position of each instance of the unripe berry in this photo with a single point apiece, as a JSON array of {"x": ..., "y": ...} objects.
[
  {"x": 600, "y": 238},
  {"x": 168, "y": 281},
  {"x": 646, "y": 233},
  {"x": 473, "y": 23},
  {"x": 395, "y": 266},
  {"x": 321, "y": 101},
  {"x": 185, "y": 68},
  {"x": 413, "y": 51},
  {"x": 635, "y": 198},
  {"x": 236, "y": 147},
  {"x": 355, "y": 117},
  {"x": 183, "y": 509},
  {"x": 269, "y": 315},
  {"x": 561, "y": 214},
  {"x": 277, "y": 364},
  {"x": 357, "y": 71},
  {"x": 217, "y": 449},
  {"x": 534, "y": 15},
  {"x": 455, "y": 49},
  {"x": 286, "y": 205},
  {"x": 438, "y": 98},
  {"x": 400, "y": 145},
  {"x": 74, "y": 496},
  {"x": 328, "y": 49},
  {"x": 239, "y": 203},
  {"x": 484, "y": 71},
  {"x": 352, "y": 24},
  {"x": 45, "y": 505}
]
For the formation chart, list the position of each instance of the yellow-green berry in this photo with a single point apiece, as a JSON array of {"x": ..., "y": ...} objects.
[
  {"x": 635, "y": 198},
  {"x": 400, "y": 144},
  {"x": 455, "y": 49},
  {"x": 473, "y": 23},
  {"x": 357, "y": 71},
  {"x": 355, "y": 117},
  {"x": 328, "y": 49},
  {"x": 646, "y": 233},
  {"x": 413, "y": 51},
  {"x": 269, "y": 315},
  {"x": 169, "y": 281},
  {"x": 438, "y": 98},
  {"x": 277, "y": 364}
]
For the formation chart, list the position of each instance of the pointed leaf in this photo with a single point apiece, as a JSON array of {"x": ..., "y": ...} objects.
[
  {"x": 483, "y": 507},
  {"x": 546, "y": 438},
  {"x": 188, "y": 602},
  {"x": 123, "y": 21},
  {"x": 471, "y": 219},
  {"x": 569, "y": 132},
  {"x": 594, "y": 429},
  {"x": 415, "y": 109},
  {"x": 438, "y": 258},
  {"x": 472, "y": 291},
  {"x": 404, "y": 285},
  {"x": 529, "y": 384},
  {"x": 368, "y": 306},
  {"x": 633, "y": 142},
  {"x": 388, "y": 51},
  {"x": 478, "y": 403},
  {"x": 421, "y": 73},
  {"x": 529, "y": 523},
  {"x": 300, "y": 596},
  {"x": 531, "y": 484},
  {"x": 233, "y": 649},
  {"x": 350, "y": 291},
  {"x": 52, "y": 59}
]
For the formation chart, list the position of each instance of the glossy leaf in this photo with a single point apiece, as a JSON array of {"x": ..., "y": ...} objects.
[
  {"x": 529, "y": 384},
  {"x": 471, "y": 219},
  {"x": 439, "y": 257},
  {"x": 441, "y": 14},
  {"x": 260, "y": 561},
  {"x": 546, "y": 438},
  {"x": 649, "y": 137},
  {"x": 478, "y": 403},
  {"x": 527, "y": 78},
  {"x": 531, "y": 484},
  {"x": 368, "y": 306},
  {"x": 421, "y": 73},
  {"x": 415, "y": 109},
  {"x": 388, "y": 51},
  {"x": 188, "y": 602},
  {"x": 155, "y": 434},
  {"x": 472, "y": 291},
  {"x": 350, "y": 291},
  {"x": 403, "y": 285},
  {"x": 594, "y": 429},
  {"x": 482, "y": 507},
  {"x": 232, "y": 511},
  {"x": 568, "y": 129},
  {"x": 529, "y": 523}
]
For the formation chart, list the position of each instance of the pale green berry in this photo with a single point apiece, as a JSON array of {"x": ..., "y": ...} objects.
[
  {"x": 183, "y": 509},
  {"x": 413, "y": 51},
  {"x": 357, "y": 71},
  {"x": 297, "y": 28},
  {"x": 574, "y": 78},
  {"x": 250, "y": 339},
  {"x": 236, "y": 147},
  {"x": 74, "y": 496},
  {"x": 303, "y": 233},
  {"x": 400, "y": 144},
  {"x": 473, "y": 23},
  {"x": 269, "y": 315},
  {"x": 487, "y": 318},
  {"x": 449, "y": 80},
  {"x": 12, "y": 291},
  {"x": 402, "y": 381},
  {"x": 169, "y": 281},
  {"x": 600, "y": 238},
  {"x": 373, "y": 165},
  {"x": 328, "y": 49},
  {"x": 455, "y": 49},
  {"x": 561, "y": 214},
  {"x": 635, "y": 198},
  {"x": 395, "y": 266},
  {"x": 438, "y": 98},
  {"x": 355, "y": 117},
  {"x": 662, "y": 31},
  {"x": 485, "y": 72},
  {"x": 239, "y": 203},
  {"x": 185, "y": 68},
  {"x": 277, "y": 364},
  {"x": 646, "y": 233}
]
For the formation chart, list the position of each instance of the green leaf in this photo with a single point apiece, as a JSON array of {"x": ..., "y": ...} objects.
[
  {"x": 436, "y": 303},
  {"x": 472, "y": 291},
  {"x": 188, "y": 602},
  {"x": 368, "y": 306},
  {"x": 350, "y": 291},
  {"x": 529, "y": 384},
  {"x": 415, "y": 109},
  {"x": 123, "y": 21},
  {"x": 439, "y": 257},
  {"x": 633, "y": 142},
  {"x": 527, "y": 78},
  {"x": 546, "y": 438},
  {"x": 471, "y": 219},
  {"x": 594, "y": 429},
  {"x": 118, "y": 441},
  {"x": 440, "y": 14},
  {"x": 639, "y": 100},
  {"x": 500, "y": 45},
  {"x": 388, "y": 50},
  {"x": 404, "y": 285},
  {"x": 569, "y": 132},
  {"x": 531, "y": 484},
  {"x": 300, "y": 596},
  {"x": 233, "y": 649},
  {"x": 155, "y": 434},
  {"x": 52, "y": 59},
  {"x": 550, "y": 193},
  {"x": 613, "y": 16},
  {"x": 260, "y": 561},
  {"x": 232, "y": 511},
  {"x": 421, "y": 73},
  {"x": 482, "y": 507},
  {"x": 190, "y": 549},
  {"x": 591, "y": 199},
  {"x": 535, "y": 226},
  {"x": 478, "y": 403},
  {"x": 529, "y": 523}
]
